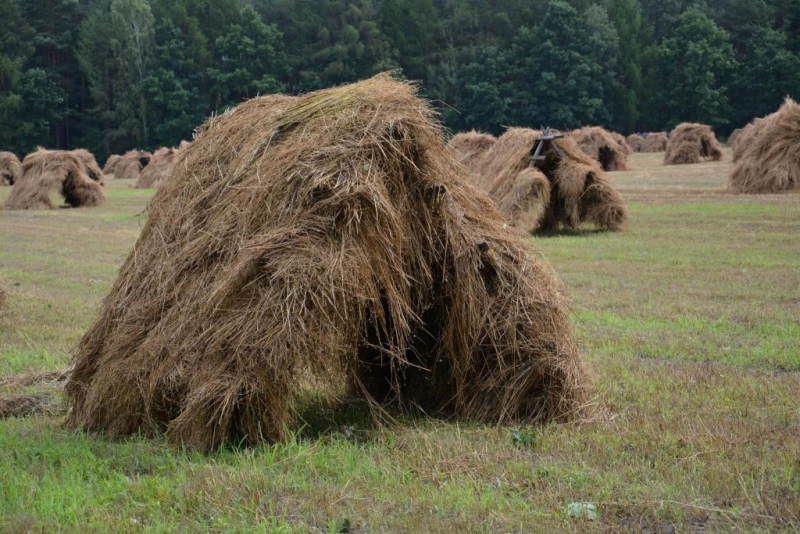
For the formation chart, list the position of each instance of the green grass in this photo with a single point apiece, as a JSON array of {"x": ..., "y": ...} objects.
[{"x": 689, "y": 321}]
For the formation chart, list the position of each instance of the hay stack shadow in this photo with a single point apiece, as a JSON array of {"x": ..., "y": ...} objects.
[
  {"x": 324, "y": 245},
  {"x": 692, "y": 143},
  {"x": 10, "y": 168}
]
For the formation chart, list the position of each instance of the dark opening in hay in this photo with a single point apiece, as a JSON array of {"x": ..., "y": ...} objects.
[
  {"x": 692, "y": 143},
  {"x": 635, "y": 141},
  {"x": 324, "y": 242},
  {"x": 45, "y": 171},
  {"x": 159, "y": 169},
  {"x": 131, "y": 164},
  {"x": 599, "y": 144},
  {"x": 553, "y": 193},
  {"x": 655, "y": 142},
  {"x": 10, "y": 168},
  {"x": 770, "y": 154}
]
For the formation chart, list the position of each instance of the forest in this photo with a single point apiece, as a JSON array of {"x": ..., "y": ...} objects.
[{"x": 110, "y": 75}]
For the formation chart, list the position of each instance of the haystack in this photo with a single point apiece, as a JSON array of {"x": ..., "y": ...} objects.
[
  {"x": 555, "y": 192},
  {"x": 326, "y": 242},
  {"x": 111, "y": 164},
  {"x": 770, "y": 154},
  {"x": 158, "y": 170},
  {"x": 621, "y": 141},
  {"x": 131, "y": 165},
  {"x": 471, "y": 146},
  {"x": 10, "y": 168},
  {"x": 90, "y": 166},
  {"x": 692, "y": 143},
  {"x": 46, "y": 171},
  {"x": 635, "y": 141},
  {"x": 601, "y": 145},
  {"x": 655, "y": 142},
  {"x": 745, "y": 137}
]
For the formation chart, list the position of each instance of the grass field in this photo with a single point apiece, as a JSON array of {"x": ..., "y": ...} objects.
[{"x": 690, "y": 321}]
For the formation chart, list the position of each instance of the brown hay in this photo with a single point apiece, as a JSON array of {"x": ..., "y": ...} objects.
[
  {"x": 27, "y": 405},
  {"x": 131, "y": 165},
  {"x": 90, "y": 166},
  {"x": 319, "y": 242},
  {"x": 745, "y": 137},
  {"x": 621, "y": 141},
  {"x": 159, "y": 169},
  {"x": 471, "y": 146},
  {"x": 599, "y": 144},
  {"x": 45, "y": 171},
  {"x": 635, "y": 141},
  {"x": 10, "y": 168},
  {"x": 692, "y": 143},
  {"x": 655, "y": 142},
  {"x": 770, "y": 154},
  {"x": 38, "y": 378},
  {"x": 111, "y": 164},
  {"x": 184, "y": 145}
]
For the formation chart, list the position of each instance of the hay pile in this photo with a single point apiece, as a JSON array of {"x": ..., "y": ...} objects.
[
  {"x": 90, "y": 166},
  {"x": 10, "y": 168},
  {"x": 159, "y": 169},
  {"x": 131, "y": 164},
  {"x": 635, "y": 141},
  {"x": 655, "y": 142},
  {"x": 471, "y": 146},
  {"x": 769, "y": 159},
  {"x": 601, "y": 145},
  {"x": 45, "y": 171},
  {"x": 323, "y": 242},
  {"x": 621, "y": 141},
  {"x": 692, "y": 143},
  {"x": 745, "y": 137},
  {"x": 111, "y": 164},
  {"x": 556, "y": 192}
]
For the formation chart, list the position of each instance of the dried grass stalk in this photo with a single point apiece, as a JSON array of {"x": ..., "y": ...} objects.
[
  {"x": 769, "y": 159},
  {"x": 27, "y": 405},
  {"x": 45, "y": 171},
  {"x": 692, "y": 143},
  {"x": 10, "y": 168},
  {"x": 159, "y": 169},
  {"x": 601, "y": 145},
  {"x": 326, "y": 242}
]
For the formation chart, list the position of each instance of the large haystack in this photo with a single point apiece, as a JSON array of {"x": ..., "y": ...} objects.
[
  {"x": 10, "y": 168},
  {"x": 601, "y": 145},
  {"x": 655, "y": 142},
  {"x": 471, "y": 146},
  {"x": 770, "y": 154},
  {"x": 635, "y": 141},
  {"x": 111, "y": 164},
  {"x": 323, "y": 242},
  {"x": 745, "y": 137},
  {"x": 159, "y": 169},
  {"x": 554, "y": 192},
  {"x": 46, "y": 171},
  {"x": 692, "y": 143},
  {"x": 131, "y": 165},
  {"x": 90, "y": 166}
]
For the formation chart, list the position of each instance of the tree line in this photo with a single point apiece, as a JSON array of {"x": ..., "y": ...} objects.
[{"x": 110, "y": 75}]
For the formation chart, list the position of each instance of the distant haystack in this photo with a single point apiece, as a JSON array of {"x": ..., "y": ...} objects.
[
  {"x": 692, "y": 143},
  {"x": 10, "y": 168},
  {"x": 620, "y": 139},
  {"x": 655, "y": 142},
  {"x": 603, "y": 147},
  {"x": 130, "y": 166},
  {"x": 471, "y": 146},
  {"x": 111, "y": 164},
  {"x": 742, "y": 138},
  {"x": 770, "y": 156},
  {"x": 46, "y": 171},
  {"x": 635, "y": 141},
  {"x": 551, "y": 193},
  {"x": 90, "y": 166},
  {"x": 159, "y": 169},
  {"x": 313, "y": 245}
]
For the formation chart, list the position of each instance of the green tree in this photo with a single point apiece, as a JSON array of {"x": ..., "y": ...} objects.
[{"x": 627, "y": 19}]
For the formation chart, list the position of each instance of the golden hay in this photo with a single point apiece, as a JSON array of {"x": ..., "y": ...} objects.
[
  {"x": 111, "y": 164},
  {"x": 159, "y": 169},
  {"x": 599, "y": 144},
  {"x": 45, "y": 171},
  {"x": 324, "y": 242},
  {"x": 745, "y": 137},
  {"x": 692, "y": 143},
  {"x": 621, "y": 141},
  {"x": 131, "y": 165},
  {"x": 90, "y": 166},
  {"x": 10, "y": 168},
  {"x": 770, "y": 154},
  {"x": 27, "y": 405},
  {"x": 471, "y": 146},
  {"x": 635, "y": 141},
  {"x": 655, "y": 142}
]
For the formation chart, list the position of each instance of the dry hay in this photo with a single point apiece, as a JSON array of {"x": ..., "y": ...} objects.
[
  {"x": 27, "y": 405},
  {"x": 602, "y": 146},
  {"x": 555, "y": 192},
  {"x": 111, "y": 164},
  {"x": 10, "y": 168},
  {"x": 692, "y": 143},
  {"x": 45, "y": 171},
  {"x": 655, "y": 142},
  {"x": 621, "y": 141},
  {"x": 90, "y": 166},
  {"x": 159, "y": 169},
  {"x": 471, "y": 146},
  {"x": 131, "y": 165},
  {"x": 635, "y": 141},
  {"x": 324, "y": 242},
  {"x": 184, "y": 145},
  {"x": 770, "y": 155},
  {"x": 37, "y": 378},
  {"x": 745, "y": 137}
]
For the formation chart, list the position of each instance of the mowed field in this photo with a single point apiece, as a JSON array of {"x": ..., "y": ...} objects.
[{"x": 690, "y": 322}]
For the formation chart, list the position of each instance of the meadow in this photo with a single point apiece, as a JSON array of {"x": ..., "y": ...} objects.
[{"x": 689, "y": 320}]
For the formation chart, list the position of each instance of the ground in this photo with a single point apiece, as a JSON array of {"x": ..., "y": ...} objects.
[{"x": 688, "y": 319}]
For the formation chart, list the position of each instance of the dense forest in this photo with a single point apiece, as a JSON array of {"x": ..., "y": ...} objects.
[{"x": 109, "y": 75}]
